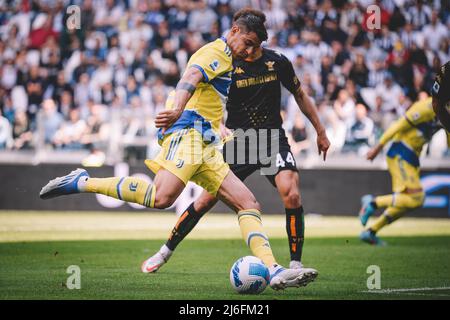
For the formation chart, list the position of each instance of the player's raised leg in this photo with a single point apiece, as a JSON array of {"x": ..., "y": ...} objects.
[
  {"x": 287, "y": 182},
  {"x": 396, "y": 205},
  {"x": 369, "y": 204},
  {"x": 407, "y": 195},
  {"x": 161, "y": 194}
]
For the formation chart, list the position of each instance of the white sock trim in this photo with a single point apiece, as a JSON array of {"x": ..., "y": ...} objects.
[
  {"x": 165, "y": 252},
  {"x": 81, "y": 184}
]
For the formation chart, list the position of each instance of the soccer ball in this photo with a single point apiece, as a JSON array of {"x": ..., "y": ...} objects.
[{"x": 249, "y": 275}]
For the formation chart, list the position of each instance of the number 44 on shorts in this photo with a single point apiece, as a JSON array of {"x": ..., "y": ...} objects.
[{"x": 282, "y": 163}]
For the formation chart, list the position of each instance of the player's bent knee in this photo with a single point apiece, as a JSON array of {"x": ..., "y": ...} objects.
[
  {"x": 292, "y": 200},
  {"x": 251, "y": 203},
  {"x": 163, "y": 202}
]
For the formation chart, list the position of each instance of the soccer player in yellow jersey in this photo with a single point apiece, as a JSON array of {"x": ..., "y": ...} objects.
[
  {"x": 187, "y": 129},
  {"x": 408, "y": 135}
]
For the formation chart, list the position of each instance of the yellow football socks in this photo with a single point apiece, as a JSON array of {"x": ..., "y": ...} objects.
[
  {"x": 254, "y": 236},
  {"x": 389, "y": 215},
  {"x": 126, "y": 188},
  {"x": 396, "y": 205},
  {"x": 401, "y": 200}
]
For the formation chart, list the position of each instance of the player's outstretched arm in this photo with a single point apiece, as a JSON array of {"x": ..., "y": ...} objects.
[
  {"x": 401, "y": 124},
  {"x": 306, "y": 106},
  {"x": 183, "y": 92}
]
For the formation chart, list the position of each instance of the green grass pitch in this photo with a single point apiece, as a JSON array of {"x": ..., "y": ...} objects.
[{"x": 415, "y": 267}]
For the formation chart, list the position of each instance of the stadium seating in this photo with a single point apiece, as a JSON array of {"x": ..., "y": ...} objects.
[{"x": 97, "y": 89}]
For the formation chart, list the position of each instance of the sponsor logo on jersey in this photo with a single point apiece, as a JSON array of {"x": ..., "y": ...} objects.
[
  {"x": 239, "y": 70},
  {"x": 214, "y": 65},
  {"x": 257, "y": 80}
]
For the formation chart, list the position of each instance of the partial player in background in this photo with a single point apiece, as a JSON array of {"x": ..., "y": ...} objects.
[
  {"x": 254, "y": 103},
  {"x": 408, "y": 135},
  {"x": 441, "y": 95},
  {"x": 187, "y": 129}
]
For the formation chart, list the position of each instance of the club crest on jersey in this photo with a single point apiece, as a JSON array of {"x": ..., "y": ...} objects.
[
  {"x": 214, "y": 65},
  {"x": 239, "y": 70},
  {"x": 269, "y": 65}
]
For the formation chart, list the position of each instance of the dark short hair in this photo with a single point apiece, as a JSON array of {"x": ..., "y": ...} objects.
[{"x": 252, "y": 21}]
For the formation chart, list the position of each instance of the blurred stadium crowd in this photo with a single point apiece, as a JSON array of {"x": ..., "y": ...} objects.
[{"x": 99, "y": 87}]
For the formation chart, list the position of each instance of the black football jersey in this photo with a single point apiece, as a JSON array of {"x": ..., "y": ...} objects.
[{"x": 255, "y": 93}]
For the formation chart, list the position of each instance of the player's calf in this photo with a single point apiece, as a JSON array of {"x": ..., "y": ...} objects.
[
  {"x": 204, "y": 203},
  {"x": 292, "y": 199}
]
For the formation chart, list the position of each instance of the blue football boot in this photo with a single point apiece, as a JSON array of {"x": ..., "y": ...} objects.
[
  {"x": 366, "y": 209},
  {"x": 60, "y": 186},
  {"x": 370, "y": 237}
]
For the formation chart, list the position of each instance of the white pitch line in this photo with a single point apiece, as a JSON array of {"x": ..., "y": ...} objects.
[
  {"x": 425, "y": 294},
  {"x": 405, "y": 290},
  {"x": 430, "y": 294}
]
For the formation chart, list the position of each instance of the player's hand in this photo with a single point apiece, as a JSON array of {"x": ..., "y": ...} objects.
[
  {"x": 372, "y": 154},
  {"x": 323, "y": 144},
  {"x": 165, "y": 119},
  {"x": 225, "y": 132}
]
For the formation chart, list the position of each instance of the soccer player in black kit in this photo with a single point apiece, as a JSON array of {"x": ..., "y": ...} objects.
[
  {"x": 441, "y": 95},
  {"x": 254, "y": 103}
]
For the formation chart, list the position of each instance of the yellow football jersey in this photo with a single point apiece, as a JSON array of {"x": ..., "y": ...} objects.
[
  {"x": 206, "y": 105},
  {"x": 216, "y": 64},
  {"x": 412, "y": 131}
]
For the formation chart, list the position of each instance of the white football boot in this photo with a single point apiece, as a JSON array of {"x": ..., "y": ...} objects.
[
  {"x": 155, "y": 262},
  {"x": 310, "y": 274},
  {"x": 282, "y": 278}
]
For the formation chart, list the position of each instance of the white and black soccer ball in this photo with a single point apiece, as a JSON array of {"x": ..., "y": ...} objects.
[{"x": 249, "y": 275}]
